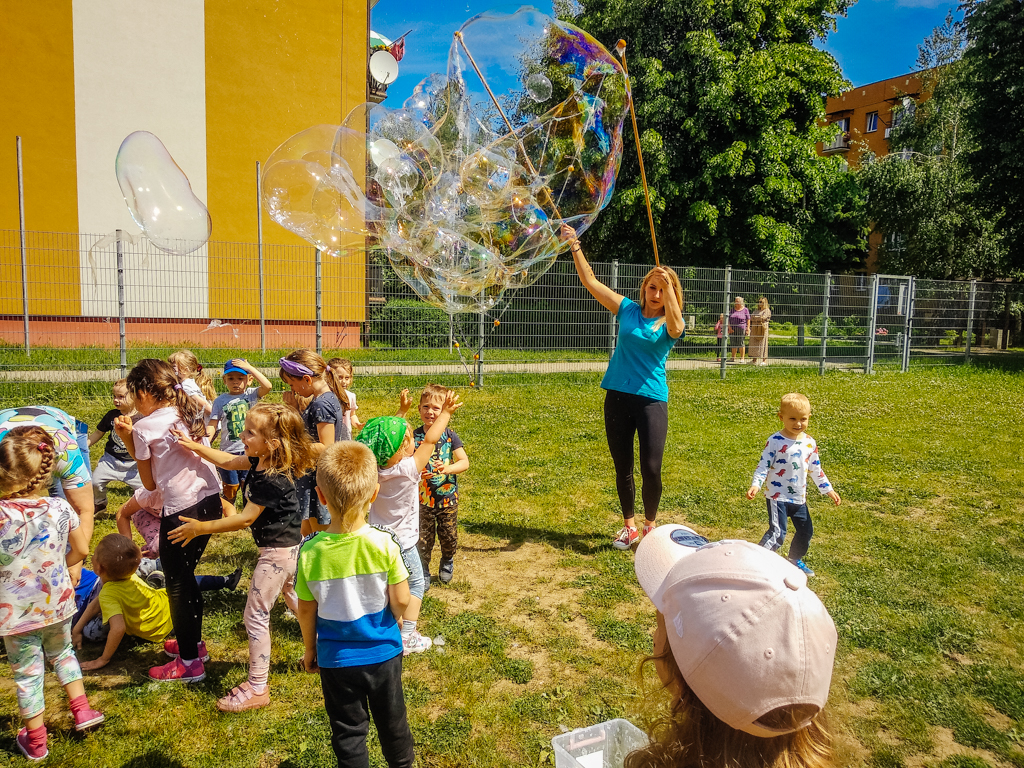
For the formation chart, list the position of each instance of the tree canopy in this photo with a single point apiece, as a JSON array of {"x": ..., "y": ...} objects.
[{"x": 730, "y": 101}]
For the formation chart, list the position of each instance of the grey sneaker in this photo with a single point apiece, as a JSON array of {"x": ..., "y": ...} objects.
[{"x": 446, "y": 570}]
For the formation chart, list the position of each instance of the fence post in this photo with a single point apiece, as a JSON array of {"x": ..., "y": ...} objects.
[
  {"x": 869, "y": 362},
  {"x": 259, "y": 253},
  {"x": 120, "y": 304},
  {"x": 451, "y": 333},
  {"x": 725, "y": 316},
  {"x": 824, "y": 322},
  {"x": 970, "y": 321},
  {"x": 319, "y": 304},
  {"x": 480, "y": 354},
  {"x": 24, "y": 256},
  {"x": 908, "y": 325},
  {"x": 614, "y": 285}
]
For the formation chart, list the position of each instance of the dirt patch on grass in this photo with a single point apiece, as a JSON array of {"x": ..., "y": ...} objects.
[{"x": 946, "y": 746}]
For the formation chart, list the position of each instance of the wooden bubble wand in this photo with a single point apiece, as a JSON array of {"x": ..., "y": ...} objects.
[{"x": 620, "y": 51}]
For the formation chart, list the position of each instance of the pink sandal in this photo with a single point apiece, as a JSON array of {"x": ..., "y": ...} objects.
[{"x": 243, "y": 698}]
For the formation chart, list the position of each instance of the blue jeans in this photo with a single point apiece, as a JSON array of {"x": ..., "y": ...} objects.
[
  {"x": 417, "y": 584},
  {"x": 778, "y": 512}
]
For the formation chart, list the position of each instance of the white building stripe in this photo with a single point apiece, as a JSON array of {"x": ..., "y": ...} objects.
[{"x": 139, "y": 66}]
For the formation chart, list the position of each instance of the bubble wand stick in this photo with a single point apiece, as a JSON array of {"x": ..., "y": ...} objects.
[{"x": 620, "y": 50}]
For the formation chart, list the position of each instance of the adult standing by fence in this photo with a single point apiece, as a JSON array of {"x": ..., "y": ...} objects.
[
  {"x": 739, "y": 327},
  {"x": 759, "y": 332},
  {"x": 636, "y": 389}
]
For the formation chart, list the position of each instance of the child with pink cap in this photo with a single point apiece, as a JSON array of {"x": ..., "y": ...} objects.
[{"x": 746, "y": 650}]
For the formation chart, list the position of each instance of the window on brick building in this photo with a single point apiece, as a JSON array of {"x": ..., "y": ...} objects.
[{"x": 871, "y": 124}]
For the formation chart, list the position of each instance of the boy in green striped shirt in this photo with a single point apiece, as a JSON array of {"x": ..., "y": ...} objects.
[{"x": 353, "y": 588}]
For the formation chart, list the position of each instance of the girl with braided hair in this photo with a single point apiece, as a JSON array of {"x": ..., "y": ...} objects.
[
  {"x": 190, "y": 488},
  {"x": 37, "y": 599}
]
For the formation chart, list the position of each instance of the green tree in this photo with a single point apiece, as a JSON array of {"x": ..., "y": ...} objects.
[
  {"x": 995, "y": 29},
  {"x": 924, "y": 195},
  {"x": 730, "y": 102}
]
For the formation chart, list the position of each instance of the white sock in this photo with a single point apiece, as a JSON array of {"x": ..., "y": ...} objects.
[{"x": 408, "y": 627}]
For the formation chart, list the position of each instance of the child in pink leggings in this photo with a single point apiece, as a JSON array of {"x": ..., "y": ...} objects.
[{"x": 277, "y": 450}]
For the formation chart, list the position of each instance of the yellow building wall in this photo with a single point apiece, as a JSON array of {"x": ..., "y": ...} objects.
[
  {"x": 37, "y": 94},
  {"x": 274, "y": 68}
]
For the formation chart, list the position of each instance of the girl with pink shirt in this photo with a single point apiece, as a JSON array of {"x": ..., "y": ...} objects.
[{"x": 190, "y": 488}]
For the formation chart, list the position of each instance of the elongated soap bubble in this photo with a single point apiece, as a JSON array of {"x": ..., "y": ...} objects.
[
  {"x": 159, "y": 195},
  {"x": 467, "y": 196}
]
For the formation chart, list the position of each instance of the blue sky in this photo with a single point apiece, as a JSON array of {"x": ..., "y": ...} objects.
[{"x": 878, "y": 38}]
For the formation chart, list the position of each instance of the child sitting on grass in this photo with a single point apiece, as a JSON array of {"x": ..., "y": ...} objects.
[
  {"x": 439, "y": 486},
  {"x": 400, "y": 464},
  {"x": 115, "y": 463},
  {"x": 787, "y": 458},
  {"x": 353, "y": 589}
]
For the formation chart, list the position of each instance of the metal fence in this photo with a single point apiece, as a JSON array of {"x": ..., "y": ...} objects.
[{"x": 79, "y": 309}]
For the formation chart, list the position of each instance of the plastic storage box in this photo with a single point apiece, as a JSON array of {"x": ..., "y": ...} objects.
[{"x": 604, "y": 745}]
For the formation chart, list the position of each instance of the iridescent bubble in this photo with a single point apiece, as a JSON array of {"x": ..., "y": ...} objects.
[
  {"x": 539, "y": 87},
  {"x": 466, "y": 194},
  {"x": 159, "y": 196}
]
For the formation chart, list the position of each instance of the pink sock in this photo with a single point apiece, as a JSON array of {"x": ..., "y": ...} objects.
[
  {"x": 37, "y": 738},
  {"x": 79, "y": 704}
]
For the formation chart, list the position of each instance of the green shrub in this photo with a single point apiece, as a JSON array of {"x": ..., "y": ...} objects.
[{"x": 408, "y": 323}]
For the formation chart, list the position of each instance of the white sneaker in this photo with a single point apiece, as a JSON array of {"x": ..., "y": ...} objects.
[{"x": 414, "y": 642}]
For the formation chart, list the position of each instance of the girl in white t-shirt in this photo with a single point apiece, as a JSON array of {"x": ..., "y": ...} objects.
[
  {"x": 343, "y": 367},
  {"x": 190, "y": 488},
  {"x": 197, "y": 384}
]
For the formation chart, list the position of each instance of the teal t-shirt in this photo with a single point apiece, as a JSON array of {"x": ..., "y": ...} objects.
[{"x": 637, "y": 366}]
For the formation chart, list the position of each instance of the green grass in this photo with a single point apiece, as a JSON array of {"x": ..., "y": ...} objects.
[{"x": 922, "y": 568}]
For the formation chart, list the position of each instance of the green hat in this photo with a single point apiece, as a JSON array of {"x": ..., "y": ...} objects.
[{"x": 383, "y": 435}]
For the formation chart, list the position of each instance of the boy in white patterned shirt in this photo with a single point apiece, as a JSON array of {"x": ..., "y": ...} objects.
[{"x": 788, "y": 456}]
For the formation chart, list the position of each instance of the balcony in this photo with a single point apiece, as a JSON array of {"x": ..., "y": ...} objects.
[{"x": 840, "y": 143}]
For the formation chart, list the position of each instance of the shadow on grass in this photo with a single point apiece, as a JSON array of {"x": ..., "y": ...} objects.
[
  {"x": 153, "y": 759},
  {"x": 582, "y": 543}
]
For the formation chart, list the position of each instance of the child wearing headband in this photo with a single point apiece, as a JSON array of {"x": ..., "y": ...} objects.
[
  {"x": 746, "y": 650},
  {"x": 37, "y": 600},
  {"x": 308, "y": 376},
  {"x": 400, "y": 464}
]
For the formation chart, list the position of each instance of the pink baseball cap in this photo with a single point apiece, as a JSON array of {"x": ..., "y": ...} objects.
[{"x": 746, "y": 632}]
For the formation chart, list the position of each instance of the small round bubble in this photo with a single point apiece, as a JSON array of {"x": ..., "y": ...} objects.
[{"x": 539, "y": 87}]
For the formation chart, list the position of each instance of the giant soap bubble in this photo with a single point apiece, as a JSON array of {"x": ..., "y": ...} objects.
[
  {"x": 159, "y": 196},
  {"x": 466, "y": 185}
]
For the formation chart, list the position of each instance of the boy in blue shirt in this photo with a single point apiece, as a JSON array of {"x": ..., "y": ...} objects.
[{"x": 353, "y": 589}]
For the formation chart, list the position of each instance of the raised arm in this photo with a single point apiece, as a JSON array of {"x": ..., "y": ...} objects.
[
  {"x": 608, "y": 298},
  {"x": 221, "y": 459},
  {"x": 426, "y": 448},
  {"x": 265, "y": 386},
  {"x": 673, "y": 312},
  {"x": 190, "y": 528}
]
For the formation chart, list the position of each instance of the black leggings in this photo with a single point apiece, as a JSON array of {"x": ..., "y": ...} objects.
[
  {"x": 625, "y": 416},
  {"x": 179, "y": 564}
]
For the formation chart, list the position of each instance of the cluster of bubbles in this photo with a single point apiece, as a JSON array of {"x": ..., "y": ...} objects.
[
  {"x": 159, "y": 195},
  {"x": 463, "y": 189}
]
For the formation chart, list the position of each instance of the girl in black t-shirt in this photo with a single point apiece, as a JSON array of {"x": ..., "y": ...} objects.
[{"x": 277, "y": 451}]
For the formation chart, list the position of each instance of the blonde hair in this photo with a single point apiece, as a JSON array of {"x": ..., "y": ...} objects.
[
  {"x": 156, "y": 378},
  {"x": 347, "y": 475},
  {"x": 291, "y": 450},
  {"x": 795, "y": 400},
  {"x": 673, "y": 279},
  {"x": 189, "y": 367},
  {"x": 343, "y": 363},
  {"x": 118, "y": 556},
  {"x": 320, "y": 369},
  {"x": 123, "y": 384},
  {"x": 433, "y": 390},
  {"x": 764, "y": 301},
  {"x": 690, "y": 736},
  {"x": 27, "y": 458}
]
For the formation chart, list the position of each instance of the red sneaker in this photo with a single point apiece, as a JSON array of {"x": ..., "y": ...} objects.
[
  {"x": 626, "y": 538},
  {"x": 87, "y": 718},
  {"x": 26, "y": 748},
  {"x": 171, "y": 649},
  {"x": 178, "y": 671}
]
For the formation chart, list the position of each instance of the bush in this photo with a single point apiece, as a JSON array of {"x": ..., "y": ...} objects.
[{"x": 408, "y": 323}]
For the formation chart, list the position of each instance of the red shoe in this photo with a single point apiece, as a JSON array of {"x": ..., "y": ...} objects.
[
  {"x": 26, "y": 748},
  {"x": 626, "y": 538},
  {"x": 171, "y": 649},
  {"x": 87, "y": 718},
  {"x": 179, "y": 672},
  {"x": 648, "y": 528}
]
